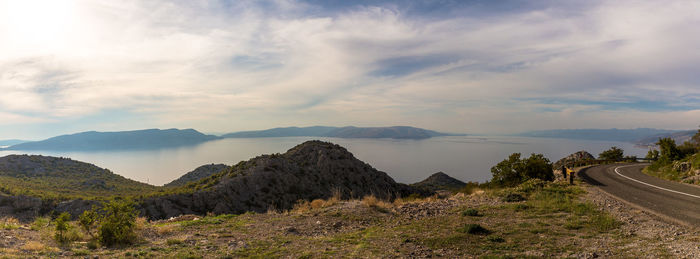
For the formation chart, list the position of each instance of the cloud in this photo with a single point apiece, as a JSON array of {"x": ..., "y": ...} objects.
[{"x": 449, "y": 65}]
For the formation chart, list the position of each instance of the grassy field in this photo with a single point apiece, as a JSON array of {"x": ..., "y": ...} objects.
[{"x": 551, "y": 220}]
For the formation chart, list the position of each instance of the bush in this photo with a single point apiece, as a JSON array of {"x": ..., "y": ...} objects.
[
  {"x": 88, "y": 221},
  {"x": 604, "y": 222},
  {"x": 496, "y": 239},
  {"x": 512, "y": 197},
  {"x": 119, "y": 223},
  {"x": 474, "y": 229},
  {"x": 514, "y": 170},
  {"x": 614, "y": 153},
  {"x": 532, "y": 185},
  {"x": 470, "y": 212},
  {"x": 62, "y": 227},
  {"x": 40, "y": 223}
]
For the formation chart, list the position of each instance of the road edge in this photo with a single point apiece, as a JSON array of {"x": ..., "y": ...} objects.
[{"x": 661, "y": 217}]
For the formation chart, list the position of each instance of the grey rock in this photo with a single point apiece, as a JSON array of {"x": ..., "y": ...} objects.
[{"x": 580, "y": 156}]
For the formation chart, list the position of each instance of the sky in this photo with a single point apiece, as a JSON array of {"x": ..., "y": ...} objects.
[{"x": 480, "y": 66}]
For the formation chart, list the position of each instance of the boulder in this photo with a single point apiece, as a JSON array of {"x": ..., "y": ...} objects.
[
  {"x": 681, "y": 167},
  {"x": 580, "y": 156}
]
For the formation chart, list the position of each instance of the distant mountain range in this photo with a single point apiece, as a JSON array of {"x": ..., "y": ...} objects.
[
  {"x": 10, "y": 142},
  {"x": 120, "y": 140},
  {"x": 639, "y": 136},
  {"x": 396, "y": 132},
  {"x": 679, "y": 137},
  {"x": 157, "y": 138}
]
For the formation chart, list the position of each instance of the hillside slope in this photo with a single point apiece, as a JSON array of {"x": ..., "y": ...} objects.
[
  {"x": 679, "y": 137},
  {"x": 63, "y": 178},
  {"x": 311, "y": 170},
  {"x": 197, "y": 174},
  {"x": 119, "y": 140}
]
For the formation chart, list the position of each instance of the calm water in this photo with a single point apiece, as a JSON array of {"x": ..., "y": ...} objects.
[{"x": 466, "y": 158}]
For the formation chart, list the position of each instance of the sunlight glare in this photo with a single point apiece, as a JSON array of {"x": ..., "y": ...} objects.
[{"x": 37, "y": 22}]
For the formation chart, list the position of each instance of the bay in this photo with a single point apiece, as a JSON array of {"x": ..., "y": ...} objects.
[{"x": 468, "y": 158}]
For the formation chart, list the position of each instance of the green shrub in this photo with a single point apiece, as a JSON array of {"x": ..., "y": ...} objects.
[
  {"x": 495, "y": 239},
  {"x": 88, "y": 221},
  {"x": 614, "y": 153},
  {"x": 514, "y": 170},
  {"x": 475, "y": 229},
  {"x": 520, "y": 207},
  {"x": 470, "y": 212},
  {"x": 40, "y": 223},
  {"x": 531, "y": 185},
  {"x": 174, "y": 241},
  {"x": 92, "y": 244},
  {"x": 119, "y": 223},
  {"x": 604, "y": 222},
  {"x": 513, "y": 197},
  {"x": 62, "y": 227}
]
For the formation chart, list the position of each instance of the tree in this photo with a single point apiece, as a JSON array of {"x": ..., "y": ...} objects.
[
  {"x": 505, "y": 173},
  {"x": 514, "y": 170},
  {"x": 538, "y": 166},
  {"x": 119, "y": 223},
  {"x": 696, "y": 138},
  {"x": 653, "y": 154},
  {"x": 614, "y": 153},
  {"x": 668, "y": 150}
]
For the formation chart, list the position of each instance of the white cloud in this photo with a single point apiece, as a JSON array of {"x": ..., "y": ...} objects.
[{"x": 252, "y": 65}]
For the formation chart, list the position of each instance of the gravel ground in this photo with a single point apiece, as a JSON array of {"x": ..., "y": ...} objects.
[{"x": 652, "y": 236}]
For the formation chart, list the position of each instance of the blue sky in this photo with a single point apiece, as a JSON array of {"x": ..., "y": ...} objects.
[{"x": 460, "y": 66}]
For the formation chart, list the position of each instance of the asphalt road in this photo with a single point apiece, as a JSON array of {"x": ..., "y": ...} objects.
[{"x": 672, "y": 200}]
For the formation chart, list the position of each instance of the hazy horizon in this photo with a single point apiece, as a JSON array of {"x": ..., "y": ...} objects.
[{"x": 477, "y": 67}]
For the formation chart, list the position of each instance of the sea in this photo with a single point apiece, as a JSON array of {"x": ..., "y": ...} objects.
[{"x": 467, "y": 158}]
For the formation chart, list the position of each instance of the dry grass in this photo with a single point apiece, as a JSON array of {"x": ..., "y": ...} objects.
[
  {"x": 165, "y": 230},
  {"x": 33, "y": 246},
  {"x": 372, "y": 202},
  {"x": 9, "y": 223},
  {"x": 305, "y": 206}
]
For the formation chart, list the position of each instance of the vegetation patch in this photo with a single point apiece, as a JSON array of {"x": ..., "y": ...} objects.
[
  {"x": 475, "y": 229},
  {"x": 471, "y": 212}
]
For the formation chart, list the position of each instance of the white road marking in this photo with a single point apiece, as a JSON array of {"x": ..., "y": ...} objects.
[{"x": 657, "y": 187}]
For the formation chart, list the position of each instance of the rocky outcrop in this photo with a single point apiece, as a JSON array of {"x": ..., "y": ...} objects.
[
  {"x": 76, "y": 207},
  {"x": 681, "y": 167},
  {"x": 21, "y": 207},
  {"x": 575, "y": 158},
  {"x": 311, "y": 170},
  {"x": 439, "y": 181},
  {"x": 197, "y": 174}
]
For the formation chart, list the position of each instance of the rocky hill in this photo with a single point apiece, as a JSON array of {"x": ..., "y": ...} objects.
[
  {"x": 579, "y": 156},
  {"x": 46, "y": 176},
  {"x": 197, "y": 174},
  {"x": 439, "y": 181},
  {"x": 120, "y": 140},
  {"x": 311, "y": 170},
  {"x": 33, "y": 185}
]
